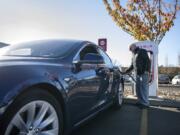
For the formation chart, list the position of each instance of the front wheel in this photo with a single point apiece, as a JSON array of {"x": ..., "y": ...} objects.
[{"x": 34, "y": 112}]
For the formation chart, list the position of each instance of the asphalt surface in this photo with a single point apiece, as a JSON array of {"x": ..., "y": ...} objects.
[{"x": 130, "y": 120}]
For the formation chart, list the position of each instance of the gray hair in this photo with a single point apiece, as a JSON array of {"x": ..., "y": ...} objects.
[{"x": 132, "y": 46}]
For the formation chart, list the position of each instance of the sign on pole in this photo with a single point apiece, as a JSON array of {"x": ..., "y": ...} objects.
[{"x": 102, "y": 42}]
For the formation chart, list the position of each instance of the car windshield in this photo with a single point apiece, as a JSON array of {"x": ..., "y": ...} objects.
[
  {"x": 54, "y": 48},
  {"x": 177, "y": 77}
]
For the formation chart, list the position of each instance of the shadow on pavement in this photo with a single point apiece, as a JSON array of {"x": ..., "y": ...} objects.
[{"x": 130, "y": 120}]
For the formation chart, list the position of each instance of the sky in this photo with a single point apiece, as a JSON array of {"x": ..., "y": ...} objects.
[{"x": 25, "y": 20}]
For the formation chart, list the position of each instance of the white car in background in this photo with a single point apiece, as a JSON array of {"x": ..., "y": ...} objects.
[{"x": 176, "y": 80}]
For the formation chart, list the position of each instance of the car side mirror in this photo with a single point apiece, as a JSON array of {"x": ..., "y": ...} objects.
[{"x": 89, "y": 58}]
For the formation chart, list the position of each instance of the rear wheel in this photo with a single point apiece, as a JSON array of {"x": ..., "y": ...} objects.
[
  {"x": 118, "y": 100},
  {"x": 34, "y": 112}
]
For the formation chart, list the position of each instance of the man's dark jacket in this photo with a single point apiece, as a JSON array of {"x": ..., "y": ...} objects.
[{"x": 142, "y": 61}]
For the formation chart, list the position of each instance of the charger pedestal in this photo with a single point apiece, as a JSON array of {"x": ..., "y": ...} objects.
[{"x": 152, "y": 49}]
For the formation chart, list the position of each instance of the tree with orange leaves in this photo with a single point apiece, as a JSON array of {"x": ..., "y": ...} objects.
[{"x": 144, "y": 19}]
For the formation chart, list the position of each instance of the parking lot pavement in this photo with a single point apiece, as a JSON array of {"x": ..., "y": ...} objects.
[{"x": 130, "y": 120}]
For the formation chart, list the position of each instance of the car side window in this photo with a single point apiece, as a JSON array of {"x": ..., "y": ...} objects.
[
  {"x": 106, "y": 58},
  {"x": 86, "y": 50}
]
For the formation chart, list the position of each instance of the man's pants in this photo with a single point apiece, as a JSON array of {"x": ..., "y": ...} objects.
[{"x": 142, "y": 88}]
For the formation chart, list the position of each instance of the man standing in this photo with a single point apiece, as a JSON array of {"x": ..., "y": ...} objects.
[{"x": 141, "y": 65}]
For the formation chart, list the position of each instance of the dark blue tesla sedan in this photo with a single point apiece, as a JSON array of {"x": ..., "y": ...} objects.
[{"x": 50, "y": 87}]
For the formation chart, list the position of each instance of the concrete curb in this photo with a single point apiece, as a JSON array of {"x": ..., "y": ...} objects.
[{"x": 155, "y": 101}]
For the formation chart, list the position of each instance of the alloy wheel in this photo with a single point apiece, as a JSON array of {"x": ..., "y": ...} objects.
[{"x": 35, "y": 118}]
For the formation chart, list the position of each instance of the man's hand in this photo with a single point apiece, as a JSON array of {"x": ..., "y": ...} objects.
[{"x": 150, "y": 77}]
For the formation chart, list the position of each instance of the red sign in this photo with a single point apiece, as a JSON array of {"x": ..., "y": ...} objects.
[{"x": 102, "y": 42}]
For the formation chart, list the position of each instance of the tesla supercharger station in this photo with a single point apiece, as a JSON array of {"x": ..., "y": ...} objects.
[{"x": 152, "y": 49}]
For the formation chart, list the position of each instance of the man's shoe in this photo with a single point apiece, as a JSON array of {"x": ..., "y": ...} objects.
[
  {"x": 143, "y": 106},
  {"x": 138, "y": 104}
]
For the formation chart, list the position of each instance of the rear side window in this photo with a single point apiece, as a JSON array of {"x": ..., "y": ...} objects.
[{"x": 86, "y": 50}]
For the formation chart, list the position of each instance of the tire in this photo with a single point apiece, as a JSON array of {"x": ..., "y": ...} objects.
[
  {"x": 118, "y": 100},
  {"x": 34, "y": 111}
]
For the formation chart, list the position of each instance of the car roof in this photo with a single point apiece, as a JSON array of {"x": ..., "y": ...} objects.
[{"x": 50, "y": 41}]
